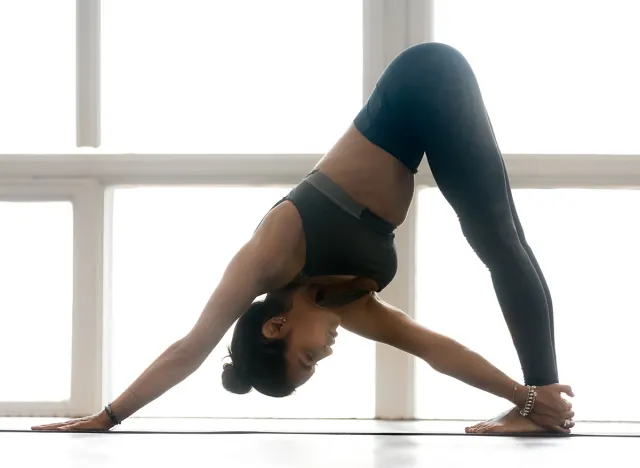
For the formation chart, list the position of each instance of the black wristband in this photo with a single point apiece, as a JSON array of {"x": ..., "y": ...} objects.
[{"x": 111, "y": 414}]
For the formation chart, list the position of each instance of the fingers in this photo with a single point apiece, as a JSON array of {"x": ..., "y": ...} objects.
[
  {"x": 48, "y": 427},
  {"x": 560, "y": 428},
  {"x": 560, "y": 420},
  {"x": 55, "y": 426},
  {"x": 567, "y": 424},
  {"x": 69, "y": 427},
  {"x": 62, "y": 427},
  {"x": 553, "y": 424},
  {"x": 564, "y": 389}
]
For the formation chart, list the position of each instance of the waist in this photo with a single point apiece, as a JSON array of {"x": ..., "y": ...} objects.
[{"x": 340, "y": 198}]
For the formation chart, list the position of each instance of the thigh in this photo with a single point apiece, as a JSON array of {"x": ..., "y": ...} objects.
[{"x": 450, "y": 120}]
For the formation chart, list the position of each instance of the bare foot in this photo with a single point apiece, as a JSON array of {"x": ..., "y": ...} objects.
[{"x": 509, "y": 422}]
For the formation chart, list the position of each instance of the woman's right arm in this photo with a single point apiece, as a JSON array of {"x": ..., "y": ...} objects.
[
  {"x": 242, "y": 282},
  {"x": 262, "y": 265}
]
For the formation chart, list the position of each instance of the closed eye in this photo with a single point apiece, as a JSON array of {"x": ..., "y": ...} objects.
[
  {"x": 308, "y": 369},
  {"x": 308, "y": 363},
  {"x": 300, "y": 369}
]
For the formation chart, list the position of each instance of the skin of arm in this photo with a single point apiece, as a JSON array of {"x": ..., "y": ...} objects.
[
  {"x": 372, "y": 318},
  {"x": 265, "y": 263}
]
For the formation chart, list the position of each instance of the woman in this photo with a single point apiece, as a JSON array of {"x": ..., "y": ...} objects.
[{"x": 324, "y": 252}]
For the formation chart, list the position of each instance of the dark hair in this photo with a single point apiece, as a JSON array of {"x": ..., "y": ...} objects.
[{"x": 258, "y": 362}]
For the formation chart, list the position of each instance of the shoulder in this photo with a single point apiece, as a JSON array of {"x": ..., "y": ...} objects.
[
  {"x": 377, "y": 320},
  {"x": 278, "y": 245}
]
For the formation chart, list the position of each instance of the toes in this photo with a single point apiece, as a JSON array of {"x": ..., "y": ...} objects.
[{"x": 473, "y": 429}]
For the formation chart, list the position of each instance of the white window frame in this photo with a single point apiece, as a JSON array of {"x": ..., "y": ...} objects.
[
  {"x": 390, "y": 26},
  {"x": 86, "y": 198}
]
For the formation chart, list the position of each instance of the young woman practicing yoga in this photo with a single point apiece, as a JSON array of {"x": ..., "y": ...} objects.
[{"x": 323, "y": 253}]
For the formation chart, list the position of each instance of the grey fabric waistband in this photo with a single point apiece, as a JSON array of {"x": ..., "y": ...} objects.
[
  {"x": 342, "y": 200},
  {"x": 332, "y": 191}
]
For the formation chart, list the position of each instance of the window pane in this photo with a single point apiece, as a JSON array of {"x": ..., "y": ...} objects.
[
  {"x": 587, "y": 245},
  {"x": 171, "y": 246},
  {"x": 36, "y": 274},
  {"x": 557, "y": 76},
  {"x": 230, "y": 77},
  {"x": 37, "y": 87}
]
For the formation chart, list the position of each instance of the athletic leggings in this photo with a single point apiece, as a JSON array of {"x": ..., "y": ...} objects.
[{"x": 428, "y": 101}]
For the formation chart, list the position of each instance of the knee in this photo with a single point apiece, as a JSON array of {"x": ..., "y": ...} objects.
[{"x": 493, "y": 237}]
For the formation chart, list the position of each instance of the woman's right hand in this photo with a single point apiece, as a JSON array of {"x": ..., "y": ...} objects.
[
  {"x": 97, "y": 422},
  {"x": 551, "y": 411}
]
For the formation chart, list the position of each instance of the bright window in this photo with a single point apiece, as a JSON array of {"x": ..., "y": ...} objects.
[
  {"x": 587, "y": 244},
  {"x": 170, "y": 248},
  {"x": 37, "y": 88},
  {"x": 244, "y": 76},
  {"x": 557, "y": 76},
  {"x": 36, "y": 274}
]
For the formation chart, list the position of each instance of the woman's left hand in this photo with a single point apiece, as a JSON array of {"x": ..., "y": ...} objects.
[{"x": 551, "y": 411}]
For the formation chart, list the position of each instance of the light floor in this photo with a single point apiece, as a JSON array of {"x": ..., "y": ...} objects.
[{"x": 198, "y": 443}]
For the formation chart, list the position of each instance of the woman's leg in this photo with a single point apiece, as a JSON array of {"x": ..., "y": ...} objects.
[
  {"x": 534, "y": 261},
  {"x": 442, "y": 103},
  {"x": 532, "y": 257}
]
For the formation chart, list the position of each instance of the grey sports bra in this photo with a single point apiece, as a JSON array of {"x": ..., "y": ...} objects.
[{"x": 342, "y": 236}]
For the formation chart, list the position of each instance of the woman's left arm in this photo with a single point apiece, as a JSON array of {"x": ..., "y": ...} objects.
[{"x": 372, "y": 318}]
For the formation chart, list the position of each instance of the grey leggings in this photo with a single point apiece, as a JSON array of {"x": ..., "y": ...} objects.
[{"x": 428, "y": 101}]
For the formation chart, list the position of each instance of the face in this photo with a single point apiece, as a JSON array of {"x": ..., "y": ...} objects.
[{"x": 310, "y": 331}]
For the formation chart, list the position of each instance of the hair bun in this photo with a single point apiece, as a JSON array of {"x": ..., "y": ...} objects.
[{"x": 232, "y": 381}]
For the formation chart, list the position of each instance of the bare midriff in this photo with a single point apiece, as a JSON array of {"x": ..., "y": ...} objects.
[{"x": 370, "y": 175}]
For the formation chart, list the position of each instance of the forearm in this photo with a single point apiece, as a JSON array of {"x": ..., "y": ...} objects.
[
  {"x": 169, "y": 369},
  {"x": 379, "y": 321},
  {"x": 453, "y": 359}
]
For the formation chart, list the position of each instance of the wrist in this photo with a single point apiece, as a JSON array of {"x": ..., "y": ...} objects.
[
  {"x": 105, "y": 420},
  {"x": 112, "y": 417}
]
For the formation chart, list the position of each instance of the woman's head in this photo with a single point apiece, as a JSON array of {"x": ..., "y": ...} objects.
[{"x": 277, "y": 343}]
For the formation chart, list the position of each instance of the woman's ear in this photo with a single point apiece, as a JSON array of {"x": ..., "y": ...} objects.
[{"x": 276, "y": 328}]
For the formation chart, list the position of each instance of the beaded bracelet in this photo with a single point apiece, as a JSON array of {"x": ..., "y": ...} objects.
[
  {"x": 111, "y": 414},
  {"x": 531, "y": 401}
]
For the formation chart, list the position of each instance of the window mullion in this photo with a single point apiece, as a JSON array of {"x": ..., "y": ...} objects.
[
  {"x": 88, "y": 73},
  {"x": 87, "y": 338},
  {"x": 390, "y": 28}
]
